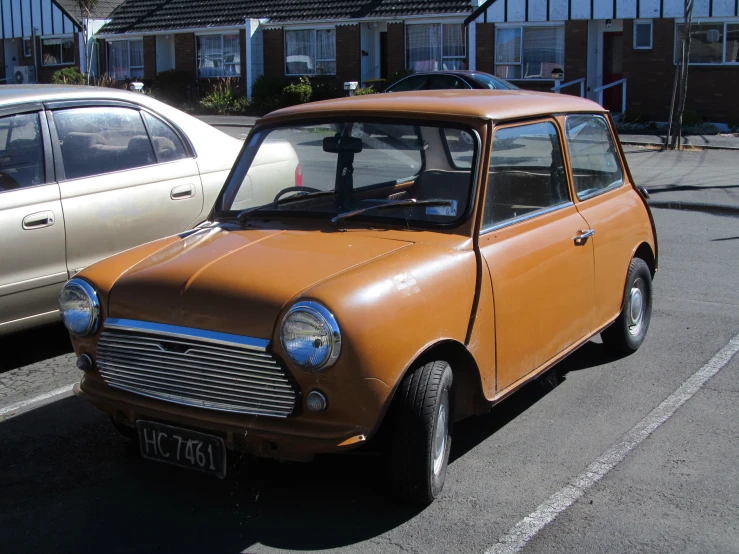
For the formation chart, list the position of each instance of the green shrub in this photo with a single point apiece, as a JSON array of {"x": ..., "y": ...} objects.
[
  {"x": 224, "y": 97},
  {"x": 68, "y": 76},
  {"x": 173, "y": 86},
  {"x": 297, "y": 93},
  {"x": 364, "y": 91},
  {"x": 266, "y": 93},
  {"x": 327, "y": 89}
]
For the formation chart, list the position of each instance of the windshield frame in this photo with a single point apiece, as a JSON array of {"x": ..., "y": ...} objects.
[{"x": 260, "y": 132}]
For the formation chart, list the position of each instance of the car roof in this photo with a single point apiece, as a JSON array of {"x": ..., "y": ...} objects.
[
  {"x": 21, "y": 94},
  {"x": 460, "y": 72},
  {"x": 495, "y": 105}
]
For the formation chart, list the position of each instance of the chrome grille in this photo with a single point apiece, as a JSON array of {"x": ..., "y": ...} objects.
[{"x": 194, "y": 367}]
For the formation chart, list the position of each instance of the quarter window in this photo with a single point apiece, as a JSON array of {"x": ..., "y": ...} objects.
[
  {"x": 436, "y": 46},
  {"x": 529, "y": 52},
  {"x": 595, "y": 164},
  {"x": 219, "y": 56},
  {"x": 310, "y": 52},
  {"x": 126, "y": 59},
  {"x": 22, "y": 153},
  {"x": 102, "y": 140},
  {"x": 57, "y": 51},
  {"x": 526, "y": 173}
]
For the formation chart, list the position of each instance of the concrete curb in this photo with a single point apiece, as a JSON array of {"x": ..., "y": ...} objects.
[
  {"x": 661, "y": 145},
  {"x": 715, "y": 209}
]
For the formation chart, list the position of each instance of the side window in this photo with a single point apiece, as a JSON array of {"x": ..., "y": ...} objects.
[
  {"x": 21, "y": 152},
  {"x": 595, "y": 164},
  {"x": 437, "y": 82},
  {"x": 526, "y": 173},
  {"x": 411, "y": 83},
  {"x": 95, "y": 141},
  {"x": 167, "y": 144},
  {"x": 459, "y": 146}
]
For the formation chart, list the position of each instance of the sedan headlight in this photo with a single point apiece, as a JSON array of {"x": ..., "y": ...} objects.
[
  {"x": 310, "y": 335},
  {"x": 80, "y": 307}
]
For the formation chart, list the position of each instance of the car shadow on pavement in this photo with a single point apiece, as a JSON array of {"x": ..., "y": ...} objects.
[{"x": 32, "y": 346}]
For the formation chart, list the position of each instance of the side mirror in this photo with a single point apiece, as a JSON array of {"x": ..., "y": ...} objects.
[{"x": 338, "y": 145}]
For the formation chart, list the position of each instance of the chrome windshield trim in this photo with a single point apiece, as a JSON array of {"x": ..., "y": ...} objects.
[
  {"x": 165, "y": 330},
  {"x": 526, "y": 217}
]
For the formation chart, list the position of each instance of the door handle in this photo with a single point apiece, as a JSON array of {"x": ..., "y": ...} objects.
[
  {"x": 583, "y": 237},
  {"x": 38, "y": 220},
  {"x": 181, "y": 192}
]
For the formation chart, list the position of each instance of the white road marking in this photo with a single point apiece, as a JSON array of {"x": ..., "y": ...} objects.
[
  {"x": 13, "y": 410},
  {"x": 526, "y": 529}
]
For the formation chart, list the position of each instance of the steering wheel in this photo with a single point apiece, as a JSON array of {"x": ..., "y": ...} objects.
[{"x": 304, "y": 190}]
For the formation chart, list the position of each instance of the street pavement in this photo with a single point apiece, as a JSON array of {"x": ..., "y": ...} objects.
[{"x": 71, "y": 484}]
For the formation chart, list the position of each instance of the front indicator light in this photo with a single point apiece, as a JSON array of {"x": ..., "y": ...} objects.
[{"x": 316, "y": 401}]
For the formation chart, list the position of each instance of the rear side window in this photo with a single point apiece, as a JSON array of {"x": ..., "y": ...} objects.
[
  {"x": 411, "y": 83},
  {"x": 95, "y": 141},
  {"x": 438, "y": 82},
  {"x": 21, "y": 152},
  {"x": 595, "y": 164},
  {"x": 526, "y": 173},
  {"x": 167, "y": 145}
]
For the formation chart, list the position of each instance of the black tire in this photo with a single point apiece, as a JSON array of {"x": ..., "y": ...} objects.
[
  {"x": 417, "y": 473},
  {"x": 124, "y": 430},
  {"x": 628, "y": 332}
]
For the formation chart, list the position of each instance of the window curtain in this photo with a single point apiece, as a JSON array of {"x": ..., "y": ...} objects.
[
  {"x": 231, "y": 56},
  {"x": 508, "y": 52},
  {"x": 732, "y": 43},
  {"x": 453, "y": 47},
  {"x": 210, "y": 56},
  {"x": 424, "y": 47},
  {"x": 326, "y": 51},
  {"x": 136, "y": 59},
  {"x": 299, "y": 55},
  {"x": 118, "y": 65},
  {"x": 543, "y": 51}
]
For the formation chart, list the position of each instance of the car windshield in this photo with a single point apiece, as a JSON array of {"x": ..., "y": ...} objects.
[
  {"x": 327, "y": 169},
  {"x": 492, "y": 83}
]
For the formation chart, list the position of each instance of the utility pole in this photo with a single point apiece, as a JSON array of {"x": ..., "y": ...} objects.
[{"x": 680, "y": 90}]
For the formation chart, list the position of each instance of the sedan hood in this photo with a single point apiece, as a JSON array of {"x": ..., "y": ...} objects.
[{"x": 237, "y": 282}]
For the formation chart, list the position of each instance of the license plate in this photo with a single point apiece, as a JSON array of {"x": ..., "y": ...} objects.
[{"x": 182, "y": 447}]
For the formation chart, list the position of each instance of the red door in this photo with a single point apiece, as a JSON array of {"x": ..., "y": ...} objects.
[{"x": 612, "y": 70}]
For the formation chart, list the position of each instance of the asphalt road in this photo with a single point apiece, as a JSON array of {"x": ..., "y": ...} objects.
[{"x": 69, "y": 483}]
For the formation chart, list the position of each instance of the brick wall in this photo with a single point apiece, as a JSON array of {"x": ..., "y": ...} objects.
[
  {"x": 2, "y": 60},
  {"x": 103, "y": 56},
  {"x": 576, "y": 54},
  {"x": 651, "y": 74},
  {"x": 184, "y": 53},
  {"x": 274, "y": 52},
  {"x": 395, "y": 47},
  {"x": 485, "y": 53},
  {"x": 150, "y": 57},
  {"x": 348, "y": 53},
  {"x": 242, "y": 47}
]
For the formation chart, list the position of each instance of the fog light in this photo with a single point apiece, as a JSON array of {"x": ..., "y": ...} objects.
[
  {"x": 316, "y": 401},
  {"x": 85, "y": 363}
]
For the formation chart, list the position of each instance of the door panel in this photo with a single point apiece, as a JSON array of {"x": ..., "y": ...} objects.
[
  {"x": 543, "y": 290},
  {"x": 107, "y": 214},
  {"x": 33, "y": 262}
]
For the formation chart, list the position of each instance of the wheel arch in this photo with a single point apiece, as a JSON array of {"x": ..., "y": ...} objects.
[{"x": 645, "y": 252}]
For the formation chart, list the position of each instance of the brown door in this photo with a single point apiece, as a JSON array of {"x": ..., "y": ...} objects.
[{"x": 612, "y": 70}]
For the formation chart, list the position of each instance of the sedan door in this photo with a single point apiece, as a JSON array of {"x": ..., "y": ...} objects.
[
  {"x": 537, "y": 250},
  {"x": 33, "y": 268},
  {"x": 125, "y": 177}
]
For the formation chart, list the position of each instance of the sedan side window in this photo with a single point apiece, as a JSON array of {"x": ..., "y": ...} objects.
[
  {"x": 411, "y": 83},
  {"x": 167, "y": 144},
  {"x": 438, "y": 82},
  {"x": 595, "y": 164},
  {"x": 526, "y": 173},
  {"x": 21, "y": 152},
  {"x": 101, "y": 140}
]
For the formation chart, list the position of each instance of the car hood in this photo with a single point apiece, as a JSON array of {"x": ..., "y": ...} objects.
[{"x": 237, "y": 281}]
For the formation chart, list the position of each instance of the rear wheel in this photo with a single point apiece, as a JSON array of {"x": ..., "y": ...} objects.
[
  {"x": 628, "y": 332},
  {"x": 421, "y": 434}
]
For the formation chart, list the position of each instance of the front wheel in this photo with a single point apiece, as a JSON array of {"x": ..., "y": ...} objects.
[
  {"x": 628, "y": 332},
  {"x": 421, "y": 434}
]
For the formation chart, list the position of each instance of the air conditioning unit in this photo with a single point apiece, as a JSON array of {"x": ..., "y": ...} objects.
[{"x": 24, "y": 74}]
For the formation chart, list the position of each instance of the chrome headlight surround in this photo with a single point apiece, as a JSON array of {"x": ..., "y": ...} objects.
[
  {"x": 323, "y": 320},
  {"x": 73, "y": 319}
]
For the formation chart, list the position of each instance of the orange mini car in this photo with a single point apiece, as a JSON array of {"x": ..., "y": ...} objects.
[{"x": 412, "y": 279}]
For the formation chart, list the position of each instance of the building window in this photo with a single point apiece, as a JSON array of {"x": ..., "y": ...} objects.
[
  {"x": 529, "y": 52},
  {"x": 436, "y": 46},
  {"x": 642, "y": 35},
  {"x": 27, "y": 47},
  {"x": 57, "y": 51},
  {"x": 714, "y": 43},
  {"x": 219, "y": 56},
  {"x": 310, "y": 52},
  {"x": 126, "y": 59}
]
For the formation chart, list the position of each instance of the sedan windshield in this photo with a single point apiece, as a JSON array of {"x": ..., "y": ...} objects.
[{"x": 410, "y": 173}]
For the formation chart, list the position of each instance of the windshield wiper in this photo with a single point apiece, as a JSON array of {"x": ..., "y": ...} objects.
[
  {"x": 395, "y": 204},
  {"x": 243, "y": 214}
]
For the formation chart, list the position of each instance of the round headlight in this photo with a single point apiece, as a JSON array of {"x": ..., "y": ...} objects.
[
  {"x": 80, "y": 307},
  {"x": 311, "y": 336}
]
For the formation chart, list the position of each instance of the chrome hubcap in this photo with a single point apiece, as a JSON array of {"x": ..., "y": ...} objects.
[
  {"x": 440, "y": 435},
  {"x": 637, "y": 307}
]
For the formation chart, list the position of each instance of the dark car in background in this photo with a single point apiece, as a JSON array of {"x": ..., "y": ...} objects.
[{"x": 456, "y": 80}]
